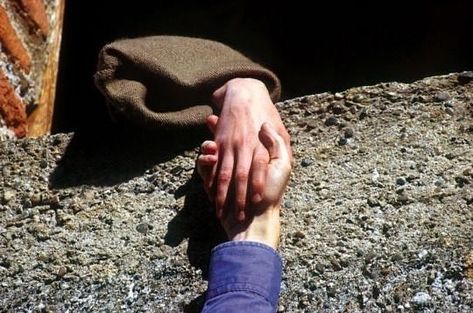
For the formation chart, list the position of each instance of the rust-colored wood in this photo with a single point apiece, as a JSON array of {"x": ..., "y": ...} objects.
[{"x": 40, "y": 120}]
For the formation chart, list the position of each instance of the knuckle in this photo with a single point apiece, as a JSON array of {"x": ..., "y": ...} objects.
[
  {"x": 238, "y": 140},
  {"x": 241, "y": 175},
  {"x": 287, "y": 167},
  {"x": 286, "y": 136},
  {"x": 260, "y": 161},
  {"x": 257, "y": 181},
  {"x": 224, "y": 176},
  {"x": 240, "y": 202},
  {"x": 220, "y": 198},
  {"x": 257, "y": 185}
]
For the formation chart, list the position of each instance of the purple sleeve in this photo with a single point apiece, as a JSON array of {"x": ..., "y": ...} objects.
[{"x": 244, "y": 276}]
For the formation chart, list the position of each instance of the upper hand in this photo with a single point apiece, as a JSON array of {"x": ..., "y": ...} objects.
[{"x": 242, "y": 159}]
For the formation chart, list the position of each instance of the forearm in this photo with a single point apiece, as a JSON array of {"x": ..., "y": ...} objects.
[{"x": 244, "y": 276}]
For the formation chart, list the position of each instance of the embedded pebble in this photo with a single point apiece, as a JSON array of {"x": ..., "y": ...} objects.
[
  {"x": 143, "y": 228},
  {"x": 401, "y": 181},
  {"x": 442, "y": 96},
  {"x": 450, "y": 111},
  {"x": 342, "y": 141},
  {"x": 8, "y": 195},
  {"x": 373, "y": 202},
  {"x": 332, "y": 120},
  {"x": 306, "y": 162},
  {"x": 289, "y": 204},
  {"x": 348, "y": 132},
  {"x": 299, "y": 234},
  {"x": 421, "y": 299},
  {"x": 465, "y": 77}
]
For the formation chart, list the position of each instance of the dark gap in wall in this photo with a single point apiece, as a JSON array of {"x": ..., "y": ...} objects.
[{"x": 312, "y": 47}]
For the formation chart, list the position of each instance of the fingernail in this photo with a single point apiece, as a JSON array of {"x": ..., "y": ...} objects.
[
  {"x": 257, "y": 198},
  {"x": 241, "y": 216}
]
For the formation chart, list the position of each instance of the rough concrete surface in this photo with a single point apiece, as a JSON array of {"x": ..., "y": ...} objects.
[{"x": 378, "y": 216}]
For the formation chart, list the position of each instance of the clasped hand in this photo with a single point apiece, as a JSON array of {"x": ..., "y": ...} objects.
[
  {"x": 240, "y": 175},
  {"x": 246, "y": 167}
]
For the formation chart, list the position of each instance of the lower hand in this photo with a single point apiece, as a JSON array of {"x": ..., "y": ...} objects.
[{"x": 263, "y": 224}]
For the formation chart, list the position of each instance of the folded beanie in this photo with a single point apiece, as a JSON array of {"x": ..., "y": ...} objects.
[{"x": 167, "y": 81}]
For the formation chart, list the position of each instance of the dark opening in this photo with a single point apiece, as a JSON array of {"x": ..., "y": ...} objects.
[{"x": 312, "y": 46}]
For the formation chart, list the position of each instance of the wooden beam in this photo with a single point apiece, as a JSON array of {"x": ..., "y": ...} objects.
[{"x": 40, "y": 120}]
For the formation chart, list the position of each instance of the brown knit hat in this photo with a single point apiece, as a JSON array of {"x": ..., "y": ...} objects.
[{"x": 167, "y": 81}]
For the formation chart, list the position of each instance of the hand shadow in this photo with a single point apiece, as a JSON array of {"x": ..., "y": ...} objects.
[
  {"x": 197, "y": 222},
  {"x": 116, "y": 154}
]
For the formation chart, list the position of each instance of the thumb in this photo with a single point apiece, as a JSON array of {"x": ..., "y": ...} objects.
[
  {"x": 219, "y": 96},
  {"x": 273, "y": 143},
  {"x": 211, "y": 122}
]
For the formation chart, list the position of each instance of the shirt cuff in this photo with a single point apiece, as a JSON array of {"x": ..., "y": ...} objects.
[{"x": 245, "y": 266}]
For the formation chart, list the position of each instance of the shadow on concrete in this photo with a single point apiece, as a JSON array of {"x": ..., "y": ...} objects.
[
  {"x": 197, "y": 222},
  {"x": 114, "y": 155}
]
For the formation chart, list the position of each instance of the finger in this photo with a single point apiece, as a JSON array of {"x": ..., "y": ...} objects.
[
  {"x": 224, "y": 177},
  {"x": 206, "y": 160},
  {"x": 208, "y": 147},
  {"x": 259, "y": 170},
  {"x": 205, "y": 168},
  {"x": 211, "y": 122},
  {"x": 274, "y": 143},
  {"x": 219, "y": 95},
  {"x": 241, "y": 182},
  {"x": 287, "y": 141},
  {"x": 210, "y": 182}
]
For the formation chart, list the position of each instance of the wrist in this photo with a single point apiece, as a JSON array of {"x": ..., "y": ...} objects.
[
  {"x": 264, "y": 228},
  {"x": 238, "y": 85}
]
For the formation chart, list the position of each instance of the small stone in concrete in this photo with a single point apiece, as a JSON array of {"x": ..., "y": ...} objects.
[
  {"x": 331, "y": 291},
  {"x": 401, "y": 181},
  {"x": 462, "y": 181},
  {"x": 289, "y": 204},
  {"x": 320, "y": 268},
  {"x": 439, "y": 182},
  {"x": 342, "y": 141},
  {"x": 299, "y": 234},
  {"x": 143, "y": 228},
  {"x": 421, "y": 299},
  {"x": 43, "y": 163},
  {"x": 8, "y": 195},
  {"x": 338, "y": 96},
  {"x": 363, "y": 114},
  {"x": 348, "y": 132},
  {"x": 61, "y": 272},
  {"x": 338, "y": 107},
  {"x": 332, "y": 120},
  {"x": 306, "y": 162},
  {"x": 335, "y": 264},
  {"x": 442, "y": 96},
  {"x": 373, "y": 202},
  {"x": 465, "y": 77}
]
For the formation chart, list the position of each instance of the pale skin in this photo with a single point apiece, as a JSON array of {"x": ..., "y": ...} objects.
[
  {"x": 262, "y": 223},
  {"x": 240, "y": 176}
]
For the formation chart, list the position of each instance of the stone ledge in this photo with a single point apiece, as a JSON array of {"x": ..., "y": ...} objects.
[{"x": 378, "y": 214}]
